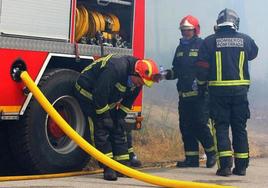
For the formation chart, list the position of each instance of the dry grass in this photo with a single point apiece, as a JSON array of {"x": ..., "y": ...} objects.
[{"x": 159, "y": 141}]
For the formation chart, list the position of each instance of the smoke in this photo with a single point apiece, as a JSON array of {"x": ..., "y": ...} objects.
[{"x": 162, "y": 37}]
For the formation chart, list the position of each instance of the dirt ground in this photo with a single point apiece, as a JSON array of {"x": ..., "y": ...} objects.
[{"x": 159, "y": 142}]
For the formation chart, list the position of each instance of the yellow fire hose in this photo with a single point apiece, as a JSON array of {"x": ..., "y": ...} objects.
[
  {"x": 156, "y": 180},
  {"x": 82, "y": 23},
  {"x": 48, "y": 176}
]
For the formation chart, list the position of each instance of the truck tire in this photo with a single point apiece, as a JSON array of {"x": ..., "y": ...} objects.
[{"x": 40, "y": 146}]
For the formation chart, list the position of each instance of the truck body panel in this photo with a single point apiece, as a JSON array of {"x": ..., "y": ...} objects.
[{"x": 44, "y": 35}]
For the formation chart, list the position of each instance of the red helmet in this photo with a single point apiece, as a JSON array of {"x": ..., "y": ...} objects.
[
  {"x": 190, "y": 22},
  {"x": 146, "y": 69}
]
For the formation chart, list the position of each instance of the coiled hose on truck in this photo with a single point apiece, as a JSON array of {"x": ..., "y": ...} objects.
[{"x": 88, "y": 23}]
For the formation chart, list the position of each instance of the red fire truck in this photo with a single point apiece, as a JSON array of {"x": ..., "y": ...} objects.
[{"x": 56, "y": 40}]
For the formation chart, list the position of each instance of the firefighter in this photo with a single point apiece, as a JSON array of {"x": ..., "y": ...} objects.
[
  {"x": 106, "y": 90},
  {"x": 223, "y": 63},
  {"x": 193, "y": 106}
]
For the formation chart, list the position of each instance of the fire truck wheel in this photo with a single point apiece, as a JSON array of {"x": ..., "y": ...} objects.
[{"x": 40, "y": 144}]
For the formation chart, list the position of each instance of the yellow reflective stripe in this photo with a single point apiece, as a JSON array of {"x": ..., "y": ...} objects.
[
  {"x": 225, "y": 154},
  {"x": 188, "y": 94},
  {"x": 150, "y": 67},
  {"x": 130, "y": 150},
  {"x": 210, "y": 126},
  {"x": 229, "y": 83},
  {"x": 120, "y": 87},
  {"x": 112, "y": 106},
  {"x": 220, "y": 82},
  {"x": 121, "y": 157},
  {"x": 125, "y": 109},
  {"x": 102, "y": 110},
  {"x": 213, "y": 129},
  {"x": 241, "y": 155},
  {"x": 179, "y": 54},
  {"x": 212, "y": 123},
  {"x": 110, "y": 155},
  {"x": 241, "y": 65},
  {"x": 91, "y": 129},
  {"x": 218, "y": 66},
  {"x": 103, "y": 61},
  {"x": 83, "y": 92},
  {"x": 192, "y": 153},
  {"x": 193, "y": 54},
  {"x": 210, "y": 149},
  {"x": 199, "y": 82}
]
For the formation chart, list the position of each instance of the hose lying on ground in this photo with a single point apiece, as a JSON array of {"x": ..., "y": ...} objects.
[{"x": 156, "y": 180}]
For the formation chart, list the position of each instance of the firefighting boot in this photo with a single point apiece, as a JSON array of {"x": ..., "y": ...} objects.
[
  {"x": 134, "y": 162},
  {"x": 239, "y": 172},
  {"x": 190, "y": 161},
  {"x": 211, "y": 159},
  {"x": 225, "y": 166},
  {"x": 126, "y": 163},
  {"x": 109, "y": 174},
  {"x": 240, "y": 167},
  {"x": 224, "y": 172}
]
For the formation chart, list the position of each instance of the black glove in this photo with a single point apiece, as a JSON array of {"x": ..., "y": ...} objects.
[{"x": 169, "y": 74}]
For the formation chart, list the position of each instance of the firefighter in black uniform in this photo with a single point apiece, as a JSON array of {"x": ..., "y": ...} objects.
[
  {"x": 106, "y": 90},
  {"x": 193, "y": 107},
  {"x": 223, "y": 62}
]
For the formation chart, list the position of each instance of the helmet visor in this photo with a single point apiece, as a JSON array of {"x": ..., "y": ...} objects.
[
  {"x": 187, "y": 28},
  {"x": 148, "y": 83}
]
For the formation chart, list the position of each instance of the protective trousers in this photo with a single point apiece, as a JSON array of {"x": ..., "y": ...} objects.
[
  {"x": 193, "y": 119},
  {"x": 130, "y": 145},
  {"x": 231, "y": 111},
  {"x": 110, "y": 141}
]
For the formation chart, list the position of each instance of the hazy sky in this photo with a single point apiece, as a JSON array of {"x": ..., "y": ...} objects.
[
  {"x": 162, "y": 37},
  {"x": 163, "y": 17}
]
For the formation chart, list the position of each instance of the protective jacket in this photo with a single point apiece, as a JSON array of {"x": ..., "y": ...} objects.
[
  {"x": 223, "y": 61},
  {"x": 184, "y": 66},
  {"x": 105, "y": 82}
]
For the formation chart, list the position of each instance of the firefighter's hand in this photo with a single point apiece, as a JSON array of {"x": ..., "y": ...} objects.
[{"x": 168, "y": 73}]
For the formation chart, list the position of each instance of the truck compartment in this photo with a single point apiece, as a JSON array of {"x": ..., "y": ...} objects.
[
  {"x": 97, "y": 22},
  {"x": 106, "y": 22}
]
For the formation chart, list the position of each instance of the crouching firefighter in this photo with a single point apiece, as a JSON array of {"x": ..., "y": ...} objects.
[
  {"x": 193, "y": 104},
  {"x": 223, "y": 62},
  {"x": 100, "y": 88}
]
